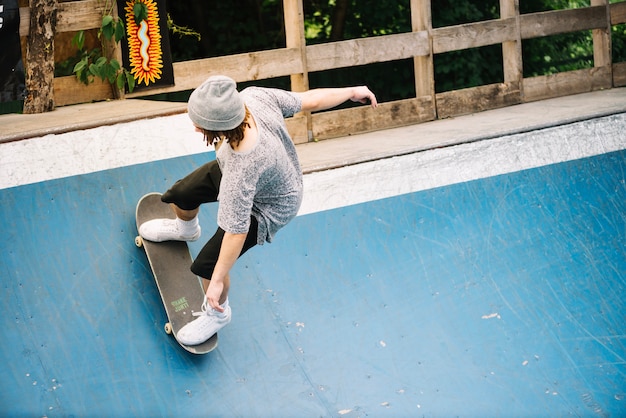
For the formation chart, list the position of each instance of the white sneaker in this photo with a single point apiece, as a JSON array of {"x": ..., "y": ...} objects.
[
  {"x": 207, "y": 324},
  {"x": 159, "y": 230}
]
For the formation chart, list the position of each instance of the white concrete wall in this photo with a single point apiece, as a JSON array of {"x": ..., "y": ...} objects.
[{"x": 108, "y": 147}]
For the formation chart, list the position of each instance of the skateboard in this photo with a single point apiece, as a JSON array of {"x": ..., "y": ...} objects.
[{"x": 180, "y": 289}]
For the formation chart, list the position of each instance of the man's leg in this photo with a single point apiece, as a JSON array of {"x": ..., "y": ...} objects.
[
  {"x": 210, "y": 321},
  {"x": 185, "y": 197},
  {"x": 185, "y": 227},
  {"x": 200, "y": 186},
  {"x": 185, "y": 215},
  {"x": 206, "y": 260}
]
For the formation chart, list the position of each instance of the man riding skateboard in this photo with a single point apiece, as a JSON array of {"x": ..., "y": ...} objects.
[{"x": 256, "y": 178}]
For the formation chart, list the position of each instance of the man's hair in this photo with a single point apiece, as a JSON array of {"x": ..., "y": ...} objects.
[{"x": 233, "y": 136}]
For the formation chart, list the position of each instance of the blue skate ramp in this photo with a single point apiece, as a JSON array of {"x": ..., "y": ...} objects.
[{"x": 496, "y": 297}]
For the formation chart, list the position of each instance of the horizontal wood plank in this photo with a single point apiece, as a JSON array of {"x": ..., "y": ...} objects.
[
  {"x": 618, "y": 13},
  {"x": 367, "y": 50},
  {"x": 332, "y": 124},
  {"x": 536, "y": 25},
  {"x": 80, "y": 15},
  {"x": 71, "y": 16},
  {"x": 241, "y": 67},
  {"x": 68, "y": 90},
  {"x": 563, "y": 84},
  {"x": 477, "y": 99},
  {"x": 473, "y": 35}
]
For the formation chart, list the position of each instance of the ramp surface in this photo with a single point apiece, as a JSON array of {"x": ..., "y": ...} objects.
[{"x": 503, "y": 296}]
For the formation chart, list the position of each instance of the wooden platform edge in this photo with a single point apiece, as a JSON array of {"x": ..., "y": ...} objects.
[
  {"x": 521, "y": 118},
  {"x": 15, "y": 127}
]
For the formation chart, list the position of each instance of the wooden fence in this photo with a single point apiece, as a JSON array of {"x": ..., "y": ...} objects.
[{"x": 297, "y": 60}]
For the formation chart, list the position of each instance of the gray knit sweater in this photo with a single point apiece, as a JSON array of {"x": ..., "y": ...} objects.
[{"x": 265, "y": 181}]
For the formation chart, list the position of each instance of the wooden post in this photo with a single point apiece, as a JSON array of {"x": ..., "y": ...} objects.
[
  {"x": 602, "y": 40},
  {"x": 421, "y": 20},
  {"x": 39, "y": 62},
  {"x": 512, "y": 50},
  {"x": 294, "y": 33},
  {"x": 113, "y": 50}
]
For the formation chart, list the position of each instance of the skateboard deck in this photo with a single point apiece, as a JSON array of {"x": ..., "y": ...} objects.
[{"x": 180, "y": 289}]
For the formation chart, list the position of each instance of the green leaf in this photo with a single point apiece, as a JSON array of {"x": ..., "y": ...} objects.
[
  {"x": 83, "y": 77},
  {"x": 120, "y": 81},
  {"x": 140, "y": 11},
  {"x": 79, "y": 76},
  {"x": 101, "y": 61},
  {"x": 108, "y": 32},
  {"x": 80, "y": 65},
  {"x": 130, "y": 80},
  {"x": 120, "y": 32},
  {"x": 79, "y": 40},
  {"x": 108, "y": 73},
  {"x": 108, "y": 27},
  {"x": 115, "y": 65},
  {"x": 95, "y": 70},
  {"x": 107, "y": 20}
]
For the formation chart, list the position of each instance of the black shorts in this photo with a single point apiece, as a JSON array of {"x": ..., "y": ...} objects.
[{"x": 202, "y": 186}]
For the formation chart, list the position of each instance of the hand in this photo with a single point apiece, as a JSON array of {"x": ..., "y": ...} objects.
[
  {"x": 213, "y": 294},
  {"x": 364, "y": 95}
]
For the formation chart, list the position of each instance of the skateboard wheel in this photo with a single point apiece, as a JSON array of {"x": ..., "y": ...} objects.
[
  {"x": 138, "y": 241},
  {"x": 168, "y": 328}
]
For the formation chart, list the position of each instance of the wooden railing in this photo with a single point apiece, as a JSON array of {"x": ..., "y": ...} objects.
[{"x": 297, "y": 60}]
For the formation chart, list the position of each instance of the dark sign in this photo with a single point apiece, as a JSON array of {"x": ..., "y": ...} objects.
[{"x": 12, "y": 85}]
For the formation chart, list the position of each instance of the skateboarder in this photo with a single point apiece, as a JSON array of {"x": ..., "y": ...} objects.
[{"x": 256, "y": 179}]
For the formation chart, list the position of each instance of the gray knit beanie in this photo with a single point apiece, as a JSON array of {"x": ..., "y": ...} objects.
[{"x": 216, "y": 105}]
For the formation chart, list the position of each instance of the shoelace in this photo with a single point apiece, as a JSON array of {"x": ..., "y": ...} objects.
[
  {"x": 205, "y": 309},
  {"x": 174, "y": 229},
  {"x": 171, "y": 227}
]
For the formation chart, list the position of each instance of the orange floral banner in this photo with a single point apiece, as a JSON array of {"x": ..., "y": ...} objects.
[{"x": 147, "y": 54}]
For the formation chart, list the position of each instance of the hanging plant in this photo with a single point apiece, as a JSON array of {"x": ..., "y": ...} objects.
[{"x": 94, "y": 63}]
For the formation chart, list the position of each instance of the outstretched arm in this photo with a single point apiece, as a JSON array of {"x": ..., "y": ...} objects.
[
  {"x": 326, "y": 98},
  {"x": 217, "y": 291}
]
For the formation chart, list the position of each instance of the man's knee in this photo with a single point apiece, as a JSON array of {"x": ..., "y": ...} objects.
[{"x": 175, "y": 197}]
